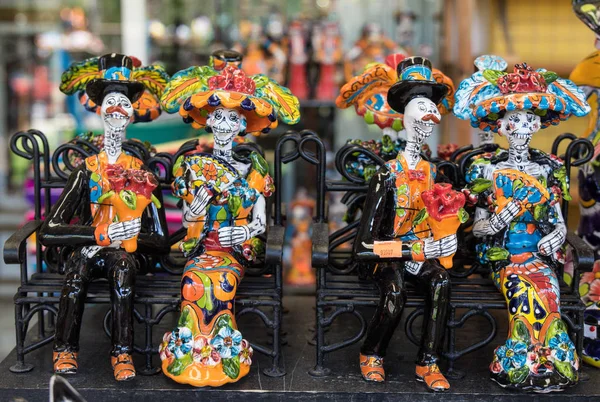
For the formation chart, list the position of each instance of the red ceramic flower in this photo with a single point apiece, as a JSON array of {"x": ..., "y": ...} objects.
[
  {"x": 232, "y": 79},
  {"x": 442, "y": 201},
  {"x": 524, "y": 79}
]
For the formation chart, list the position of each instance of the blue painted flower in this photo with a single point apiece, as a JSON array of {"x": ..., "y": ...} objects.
[
  {"x": 512, "y": 354},
  {"x": 227, "y": 342},
  {"x": 181, "y": 342},
  {"x": 562, "y": 347}
]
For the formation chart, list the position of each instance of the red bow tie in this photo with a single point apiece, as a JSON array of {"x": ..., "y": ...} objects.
[{"x": 416, "y": 175}]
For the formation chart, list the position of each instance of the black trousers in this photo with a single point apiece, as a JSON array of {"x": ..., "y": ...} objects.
[
  {"x": 119, "y": 267},
  {"x": 434, "y": 282}
]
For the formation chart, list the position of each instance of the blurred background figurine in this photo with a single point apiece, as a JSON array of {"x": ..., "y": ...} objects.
[
  {"x": 300, "y": 271},
  {"x": 327, "y": 49}
]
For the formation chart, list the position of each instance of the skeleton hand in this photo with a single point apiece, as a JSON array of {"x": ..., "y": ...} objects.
[
  {"x": 552, "y": 242},
  {"x": 90, "y": 251},
  {"x": 199, "y": 203},
  {"x": 124, "y": 230},
  {"x": 500, "y": 220},
  {"x": 440, "y": 248},
  {"x": 234, "y": 235}
]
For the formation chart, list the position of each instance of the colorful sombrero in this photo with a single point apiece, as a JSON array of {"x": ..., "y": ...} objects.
[
  {"x": 197, "y": 91},
  {"x": 144, "y": 84},
  {"x": 485, "y": 96},
  {"x": 368, "y": 93}
]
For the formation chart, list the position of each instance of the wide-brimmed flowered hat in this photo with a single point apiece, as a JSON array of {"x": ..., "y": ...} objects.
[
  {"x": 197, "y": 91},
  {"x": 415, "y": 78},
  {"x": 368, "y": 92},
  {"x": 91, "y": 79},
  {"x": 484, "y": 97}
]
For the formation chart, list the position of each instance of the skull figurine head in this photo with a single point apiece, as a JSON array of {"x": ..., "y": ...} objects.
[
  {"x": 225, "y": 124},
  {"x": 518, "y": 126},
  {"x": 116, "y": 111},
  {"x": 420, "y": 116}
]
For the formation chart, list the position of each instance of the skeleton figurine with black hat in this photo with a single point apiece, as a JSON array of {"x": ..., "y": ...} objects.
[
  {"x": 108, "y": 210},
  {"x": 396, "y": 235}
]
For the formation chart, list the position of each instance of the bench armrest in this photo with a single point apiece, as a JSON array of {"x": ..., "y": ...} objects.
[
  {"x": 583, "y": 255},
  {"x": 320, "y": 247},
  {"x": 14, "y": 248},
  {"x": 274, "y": 247}
]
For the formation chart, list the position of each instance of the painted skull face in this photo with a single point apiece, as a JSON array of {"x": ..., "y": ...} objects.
[
  {"x": 116, "y": 110},
  {"x": 420, "y": 116},
  {"x": 225, "y": 124},
  {"x": 518, "y": 126}
]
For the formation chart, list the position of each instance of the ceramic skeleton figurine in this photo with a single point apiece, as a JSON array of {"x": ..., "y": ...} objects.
[
  {"x": 224, "y": 212},
  {"x": 367, "y": 92},
  {"x": 110, "y": 225},
  {"x": 518, "y": 219},
  {"x": 225, "y": 124},
  {"x": 399, "y": 245}
]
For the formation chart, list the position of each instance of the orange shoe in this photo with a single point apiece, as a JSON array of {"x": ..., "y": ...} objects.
[
  {"x": 65, "y": 362},
  {"x": 432, "y": 377},
  {"x": 123, "y": 367},
  {"x": 371, "y": 368}
]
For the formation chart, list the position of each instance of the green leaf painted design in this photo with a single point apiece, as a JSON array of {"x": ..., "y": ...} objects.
[
  {"x": 403, "y": 189},
  {"x": 496, "y": 254},
  {"x": 549, "y": 76},
  {"x": 231, "y": 367},
  {"x": 463, "y": 215},
  {"x": 520, "y": 332},
  {"x": 397, "y": 125},
  {"x": 493, "y": 75},
  {"x": 417, "y": 248},
  {"x": 188, "y": 245},
  {"x": 221, "y": 215},
  {"x": 370, "y": 172},
  {"x": 105, "y": 196},
  {"x": 369, "y": 117},
  {"x": 421, "y": 216},
  {"x": 400, "y": 212},
  {"x": 584, "y": 289},
  {"x": 554, "y": 329},
  {"x": 480, "y": 185},
  {"x": 235, "y": 203},
  {"x": 177, "y": 367},
  {"x": 517, "y": 184},
  {"x": 177, "y": 164},
  {"x": 540, "y": 211},
  {"x": 517, "y": 376},
  {"x": 259, "y": 163},
  {"x": 128, "y": 198},
  {"x": 561, "y": 175},
  {"x": 95, "y": 177},
  {"x": 155, "y": 201},
  {"x": 566, "y": 369},
  {"x": 222, "y": 321}
]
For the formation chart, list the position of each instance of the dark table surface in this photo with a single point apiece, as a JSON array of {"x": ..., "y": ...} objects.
[{"x": 95, "y": 381}]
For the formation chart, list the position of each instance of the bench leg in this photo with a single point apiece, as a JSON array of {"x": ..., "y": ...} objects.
[
  {"x": 452, "y": 373},
  {"x": 148, "y": 369},
  {"x": 276, "y": 370},
  {"x": 319, "y": 370},
  {"x": 21, "y": 331}
]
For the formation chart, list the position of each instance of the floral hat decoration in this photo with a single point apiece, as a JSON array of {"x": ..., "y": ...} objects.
[
  {"x": 142, "y": 85},
  {"x": 368, "y": 93},
  {"x": 485, "y": 96},
  {"x": 197, "y": 91}
]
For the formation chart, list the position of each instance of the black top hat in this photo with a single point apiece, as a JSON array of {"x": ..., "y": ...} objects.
[
  {"x": 116, "y": 77},
  {"x": 219, "y": 59},
  {"x": 415, "y": 79}
]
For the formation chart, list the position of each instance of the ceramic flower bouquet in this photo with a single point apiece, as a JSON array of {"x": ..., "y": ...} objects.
[
  {"x": 130, "y": 193},
  {"x": 444, "y": 213}
]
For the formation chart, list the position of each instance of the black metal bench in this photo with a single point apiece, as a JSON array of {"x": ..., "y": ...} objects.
[
  {"x": 157, "y": 287},
  {"x": 341, "y": 289}
]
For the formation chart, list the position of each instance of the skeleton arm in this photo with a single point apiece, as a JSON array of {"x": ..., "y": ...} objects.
[
  {"x": 486, "y": 225},
  {"x": 553, "y": 241},
  {"x": 234, "y": 235}
]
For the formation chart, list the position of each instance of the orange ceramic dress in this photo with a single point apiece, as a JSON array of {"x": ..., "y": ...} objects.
[{"x": 206, "y": 348}]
